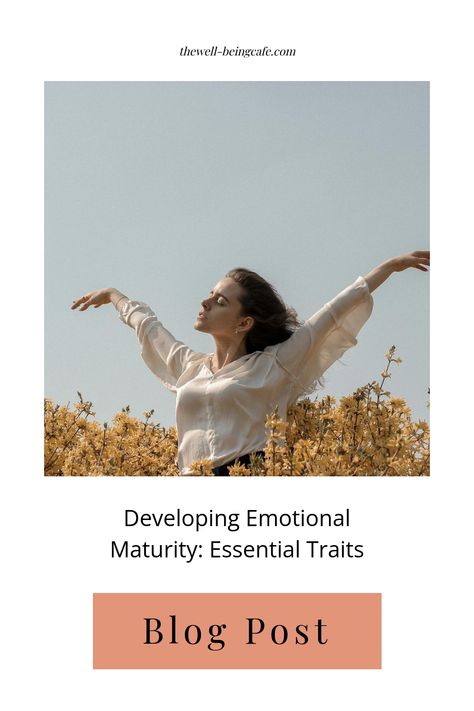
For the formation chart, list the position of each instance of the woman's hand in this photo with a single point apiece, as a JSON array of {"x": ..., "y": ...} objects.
[
  {"x": 418, "y": 260},
  {"x": 98, "y": 298}
]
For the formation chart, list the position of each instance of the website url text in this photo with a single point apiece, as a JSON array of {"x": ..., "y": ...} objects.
[{"x": 235, "y": 52}]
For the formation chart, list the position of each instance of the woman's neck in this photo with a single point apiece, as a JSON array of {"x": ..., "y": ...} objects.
[{"x": 227, "y": 351}]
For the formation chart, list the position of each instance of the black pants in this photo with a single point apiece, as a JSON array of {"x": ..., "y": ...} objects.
[{"x": 223, "y": 470}]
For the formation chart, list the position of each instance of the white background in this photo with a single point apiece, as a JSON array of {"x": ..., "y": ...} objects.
[{"x": 57, "y": 532}]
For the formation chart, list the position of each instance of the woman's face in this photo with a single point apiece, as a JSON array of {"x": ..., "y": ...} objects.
[{"x": 221, "y": 312}]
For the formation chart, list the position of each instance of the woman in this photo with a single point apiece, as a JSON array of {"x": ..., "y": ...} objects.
[{"x": 263, "y": 358}]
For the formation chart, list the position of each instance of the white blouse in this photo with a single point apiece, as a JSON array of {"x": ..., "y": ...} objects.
[{"x": 221, "y": 416}]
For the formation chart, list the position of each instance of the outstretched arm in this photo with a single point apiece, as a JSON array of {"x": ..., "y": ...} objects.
[
  {"x": 98, "y": 298},
  {"x": 164, "y": 355},
  {"x": 419, "y": 260},
  {"x": 324, "y": 337}
]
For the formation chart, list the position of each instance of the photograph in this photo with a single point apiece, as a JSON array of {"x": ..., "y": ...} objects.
[{"x": 266, "y": 244}]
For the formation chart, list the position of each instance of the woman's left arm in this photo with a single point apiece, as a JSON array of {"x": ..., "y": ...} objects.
[
  {"x": 326, "y": 335},
  {"x": 419, "y": 260}
]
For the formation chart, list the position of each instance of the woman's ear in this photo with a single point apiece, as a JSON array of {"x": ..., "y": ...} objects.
[{"x": 247, "y": 324}]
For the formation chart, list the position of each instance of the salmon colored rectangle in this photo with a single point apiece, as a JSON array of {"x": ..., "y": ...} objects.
[{"x": 237, "y": 630}]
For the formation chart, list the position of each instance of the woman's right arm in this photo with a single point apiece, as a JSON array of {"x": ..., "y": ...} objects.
[
  {"x": 163, "y": 354},
  {"x": 109, "y": 295}
]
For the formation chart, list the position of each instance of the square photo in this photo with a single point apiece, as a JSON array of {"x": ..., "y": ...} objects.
[{"x": 237, "y": 278}]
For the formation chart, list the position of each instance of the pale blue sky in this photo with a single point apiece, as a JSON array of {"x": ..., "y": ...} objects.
[{"x": 159, "y": 188}]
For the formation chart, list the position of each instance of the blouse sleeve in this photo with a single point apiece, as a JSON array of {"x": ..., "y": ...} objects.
[
  {"x": 324, "y": 337},
  {"x": 164, "y": 355}
]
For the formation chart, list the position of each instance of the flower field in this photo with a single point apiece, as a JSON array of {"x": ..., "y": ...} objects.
[{"x": 368, "y": 433}]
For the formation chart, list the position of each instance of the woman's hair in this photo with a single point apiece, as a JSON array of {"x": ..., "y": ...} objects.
[{"x": 274, "y": 321}]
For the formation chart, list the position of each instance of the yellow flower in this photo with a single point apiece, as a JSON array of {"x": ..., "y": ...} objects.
[
  {"x": 202, "y": 467},
  {"x": 239, "y": 470},
  {"x": 368, "y": 433}
]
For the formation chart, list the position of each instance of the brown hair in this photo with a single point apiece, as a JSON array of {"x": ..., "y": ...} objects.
[{"x": 274, "y": 321}]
